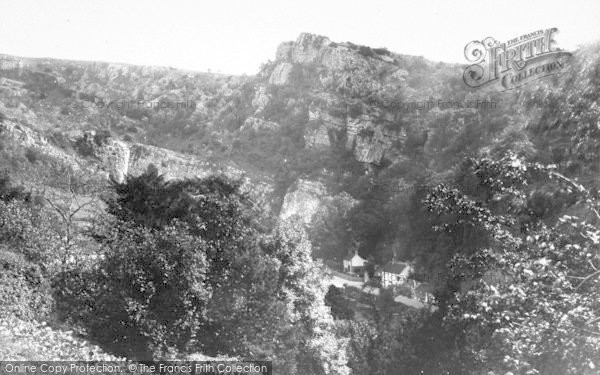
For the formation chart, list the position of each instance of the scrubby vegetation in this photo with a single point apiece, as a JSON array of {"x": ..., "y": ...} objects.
[
  {"x": 500, "y": 204},
  {"x": 180, "y": 268}
]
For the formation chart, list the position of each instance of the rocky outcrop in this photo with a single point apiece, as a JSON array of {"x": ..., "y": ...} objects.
[
  {"x": 23, "y": 136},
  {"x": 115, "y": 158},
  {"x": 303, "y": 200},
  {"x": 171, "y": 164},
  {"x": 308, "y": 200},
  {"x": 318, "y": 138},
  {"x": 175, "y": 165},
  {"x": 281, "y": 74},
  {"x": 368, "y": 141},
  {"x": 13, "y": 108},
  {"x": 306, "y": 49},
  {"x": 259, "y": 124},
  {"x": 261, "y": 99},
  {"x": 337, "y": 77}
]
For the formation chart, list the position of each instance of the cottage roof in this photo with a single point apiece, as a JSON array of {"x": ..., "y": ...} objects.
[
  {"x": 395, "y": 267},
  {"x": 350, "y": 256}
]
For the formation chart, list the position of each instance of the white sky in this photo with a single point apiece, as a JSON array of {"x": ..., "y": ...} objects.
[{"x": 237, "y": 36}]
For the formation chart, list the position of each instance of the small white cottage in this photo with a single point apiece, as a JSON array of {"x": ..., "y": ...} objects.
[{"x": 354, "y": 263}]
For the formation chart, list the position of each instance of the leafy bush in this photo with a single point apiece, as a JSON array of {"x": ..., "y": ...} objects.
[
  {"x": 9, "y": 192},
  {"x": 188, "y": 268},
  {"x": 88, "y": 144},
  {"x": 32, "y": 155},
  {"x": 59, "y": 139},
  {"x": 24, "y": 292},
  {"x": 101, "y": 137},
  {"x": 382, "y": 51},
  {"x": 366, "y": 133},
  {"x": 147, "y": 297},
  {"x": 340, "y": 307},
  {"x": 366, "y": 51},
  {"x": 25, "y": 230},
  {"x": 355, "y": 110},
  {"x": 22, "y": 340}
]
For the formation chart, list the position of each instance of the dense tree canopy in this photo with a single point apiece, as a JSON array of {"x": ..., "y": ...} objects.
[{"x": 186, "y": 268}]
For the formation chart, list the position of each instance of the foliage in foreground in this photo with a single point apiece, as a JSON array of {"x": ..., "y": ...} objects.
[
  {"x": 520, "y": 289},
  {"x": 186, "y": 269},
  {"x": 25, "y": 340}
]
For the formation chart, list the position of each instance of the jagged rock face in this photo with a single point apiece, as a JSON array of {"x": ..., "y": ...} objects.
[
  {"x": 314, "y": 84},
  {"x": 318, "y": 138},
  {"x": 281, "y": 74},
  {"x": 12, "y": 92},
  {"x": 330, "y": 121},
  {"x": 115, "y": 157},
  {"x": 258, "y": 124},
  {"x": 175, "y": 165},
  {"x": 310, "y": 46},
  {"x": 21, "y": 135},
  {"x": 353, "y": 71},
  {"x": 171, "y": 164},
  {"x": 337, "y": 77},
  {"x": 368, "y": 141},
  {"x": 25, "y": 137},
  {"x": 261, "y": 99},
  {"x": 309, "y": 200},
  {"x": 303, "y": 201}
]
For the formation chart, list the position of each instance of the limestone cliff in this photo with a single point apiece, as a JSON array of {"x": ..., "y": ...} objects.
[
  {"x": 317, "y": 99},
  {"x": 337, "y": 79},
  {"x": 306, "y": 200}
]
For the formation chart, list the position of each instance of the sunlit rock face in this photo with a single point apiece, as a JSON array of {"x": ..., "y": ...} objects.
[
  {"x": 281, "y": 74},
  {"x": 318, "y": 138},
  {"x": 303, "y": 201},
  {"x": 307, "y": 200},
  {"x": 174, "y": 165},
  {"x": 115, "y": 156},
  {"x": 255, "y": 123},
  {"x": 337, "y": 79},
  {"x": 261, "y": 99}
]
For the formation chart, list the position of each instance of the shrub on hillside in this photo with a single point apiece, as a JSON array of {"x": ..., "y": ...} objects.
[
  {"x": 382, "y": 51},
  {"x": 188, "y": 268},
  {"x": 86, "y": 145},
  {"x": 24, "y": 340},
  {"x": 101, "y": 137},
  {"x": 24, "y": 230},
  {"x": 9, "y": 192},
  {"x": 340, "y": 306},
  {"x": 148, "y": 295},
  {"x": 366, "y": 51},
  {"x": 24, "y": 292},
  {"x": 59, "y": 139},
  {"x": 32, "y": 155}
]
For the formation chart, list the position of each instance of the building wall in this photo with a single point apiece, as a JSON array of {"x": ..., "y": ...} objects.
[{"x": 389, "y": 279}]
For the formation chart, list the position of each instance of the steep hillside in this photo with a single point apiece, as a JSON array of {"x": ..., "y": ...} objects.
[
  {"x": 388, "y": 155},
  {"x": 360, "y": 125}
]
